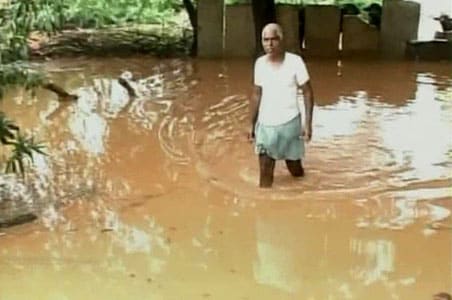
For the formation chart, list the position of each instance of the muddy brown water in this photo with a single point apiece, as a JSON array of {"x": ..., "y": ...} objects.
[{"x": 158, "y": 199}]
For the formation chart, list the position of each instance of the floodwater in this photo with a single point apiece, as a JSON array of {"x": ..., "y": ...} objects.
[{"x": 157, "y": 198}]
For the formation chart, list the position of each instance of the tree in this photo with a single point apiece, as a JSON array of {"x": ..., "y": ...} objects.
[{"x": 193, "y": 16}]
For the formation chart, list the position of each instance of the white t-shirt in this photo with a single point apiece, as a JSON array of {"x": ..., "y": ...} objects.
[{"x": 279, "y": 102}]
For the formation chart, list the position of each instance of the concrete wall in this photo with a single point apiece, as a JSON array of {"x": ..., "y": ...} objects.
[
  {"x": 399, "y": 24},
  {"x": 287, "y": 16},
  {"x": 239, "y": 39},
  {"x": 210, "y": 28},
  {"x": 239, "y": 33},
  {"x": 400, "y": 21},
  {"x": 322, "y": 28},
  {"x": 358, "y": 36}
]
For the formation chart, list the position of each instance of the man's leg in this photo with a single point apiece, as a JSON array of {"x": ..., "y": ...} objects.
[
  {"x": 267, "y": 167},
  {"x": 295, "y": 167}
]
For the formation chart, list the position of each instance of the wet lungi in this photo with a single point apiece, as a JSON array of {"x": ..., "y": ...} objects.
[{"x": 281, "y": 141}]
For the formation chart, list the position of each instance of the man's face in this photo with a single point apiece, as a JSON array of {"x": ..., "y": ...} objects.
[{"x": 271, "y": 42}]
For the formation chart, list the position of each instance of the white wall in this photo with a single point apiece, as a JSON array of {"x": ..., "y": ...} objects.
[{"x": 430, "y": 9}]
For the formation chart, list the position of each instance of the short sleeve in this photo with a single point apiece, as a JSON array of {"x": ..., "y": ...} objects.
[
  {"x": 258, "y": 73},
  {"x": 301, "y": 72}
]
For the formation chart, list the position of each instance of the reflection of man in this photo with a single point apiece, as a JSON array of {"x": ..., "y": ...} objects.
[{"x": 276, "y": 122}]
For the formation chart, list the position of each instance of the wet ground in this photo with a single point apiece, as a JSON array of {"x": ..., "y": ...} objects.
[{"x": 157, "y": 198}]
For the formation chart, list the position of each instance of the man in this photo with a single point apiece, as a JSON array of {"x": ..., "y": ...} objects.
[{"x": 276, "y": 120}]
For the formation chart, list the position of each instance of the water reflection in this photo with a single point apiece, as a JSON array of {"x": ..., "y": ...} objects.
[
  {"x": 426, "y": 138},
  {"x": 348, "y": 115},
  {"x": 90, "y": 130},
  {"x": 276, "y": 264},
  {"x": 302, "y": 258},
  {"x": 378, "y": 260}
]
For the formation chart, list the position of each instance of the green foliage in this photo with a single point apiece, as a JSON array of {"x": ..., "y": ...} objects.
[
  {"x": 50, "y": 15},
  {"x": 13, "y": 45},
  {"x": 21, "y": 17},
  {"x": 232, "y": 2},
  {"x": 16, "y": 21},
  {"x": 95, "y": 14},
  {"x": 23, "y": 150},
  {"x": 53, "y": 15}
]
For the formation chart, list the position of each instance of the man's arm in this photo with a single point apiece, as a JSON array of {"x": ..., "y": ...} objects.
[
  {"x": 308, "y": 96},
  {"x": 254, "y": 107}
]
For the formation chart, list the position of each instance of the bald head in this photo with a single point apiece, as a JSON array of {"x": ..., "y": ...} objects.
[
  {"x": 272, "y": 40},
  {"x": 273, "y": 28}
]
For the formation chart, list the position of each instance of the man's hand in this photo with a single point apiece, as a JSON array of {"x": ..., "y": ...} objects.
[
  {"x": 254, "y": 109},
  {"x": 307, "y": 133},
  {"x": 308, "y": 96}
]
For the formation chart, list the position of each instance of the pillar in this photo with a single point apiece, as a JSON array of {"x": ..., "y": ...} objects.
[
  {"x": 210, "y": 28},
  {"x": 399, "y": 24}
]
